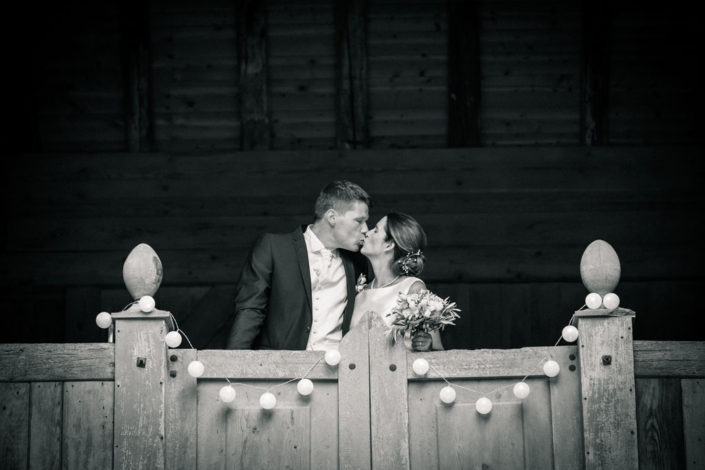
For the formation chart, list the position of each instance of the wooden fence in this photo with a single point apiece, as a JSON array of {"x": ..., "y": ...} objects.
[{"x": 132, "y": 404}]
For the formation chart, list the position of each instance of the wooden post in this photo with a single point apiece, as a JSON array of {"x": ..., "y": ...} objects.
[
  {"x": 463, "y": 74},
  {"x": 352, "y": 128},
  {"x": 140, "y": 376},
  {"x": 596, "y": 72},
  {"x": 255, "y": 132},
  {"x": 607, "y": 388}
]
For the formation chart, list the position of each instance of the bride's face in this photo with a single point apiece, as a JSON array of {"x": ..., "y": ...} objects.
[{"x": 375, "y": 240}]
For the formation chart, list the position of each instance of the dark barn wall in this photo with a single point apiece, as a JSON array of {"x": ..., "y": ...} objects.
[{"x": 194, "y": 126}]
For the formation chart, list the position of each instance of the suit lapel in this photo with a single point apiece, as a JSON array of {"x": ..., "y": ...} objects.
[
  {"x": 297, "y": 239},
  {"x": 350, "y": 285}
]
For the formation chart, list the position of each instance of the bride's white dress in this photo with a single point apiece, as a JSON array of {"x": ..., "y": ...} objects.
[{"x": 380, "y": 300}]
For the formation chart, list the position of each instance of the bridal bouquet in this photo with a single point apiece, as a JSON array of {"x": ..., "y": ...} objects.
[{"x": 421, "y": 313}]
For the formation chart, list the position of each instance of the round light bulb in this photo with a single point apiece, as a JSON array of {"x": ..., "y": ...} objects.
[
  {"x": 611, "y": 301},
  {"x": 521, "y": 390},
  {"x": 420, "y": 366},
  {"x": 267, "y": 401},
  {"x": 332, "y": 357},
  {"x": 570, "y": 333},
  {"x": 551, "y": 368},
  {"x": 593, "y": 300},
  {"x": 447, "y": 395},
  {"x": 196, "y": 368},
  {"x": 104, "y": 320},
  {"x": 483, "y": 405},
  {"x": 227, "y": 394},
  {"x": 173, "y": 339},
  {"x": 305, "y": 387},
  {"x": 146, "y": 303}
]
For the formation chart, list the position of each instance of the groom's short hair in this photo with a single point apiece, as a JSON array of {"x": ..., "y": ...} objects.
[{"x": 337, "y": 194}]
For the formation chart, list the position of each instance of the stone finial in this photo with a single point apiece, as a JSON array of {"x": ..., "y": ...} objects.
[
  {"x": 599, "y": 267},
  {"x": 142, "y": 271}
]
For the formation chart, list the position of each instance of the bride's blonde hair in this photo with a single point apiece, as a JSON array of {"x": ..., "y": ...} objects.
[{"x": 409, "y": 242}]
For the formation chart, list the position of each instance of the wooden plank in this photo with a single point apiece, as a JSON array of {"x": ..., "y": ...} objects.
[
  {"x": 14, "y": 432},
  {"x": 660, "y": 423},
  {"x": 45, "y": 425},
  {"x": 352, "y": 128},
  {"x": 596, "y": 69},
  {"x": 139, "y": 393},
  {"x": 354, "y": 398},
  {"x": 265, "y": 440},
  {"x": 464, "y": 75},
  {"x": 56, "y": 362},
  {"x": 669, "y": 358},
  {"x": 487, "y": 362},
  {"x": 566, "y": 412},
  {"x": 388, "y": 399},
  {"x": 87, "y": 434},
  {"x": 265, "y": 364},
  {"x": 255, "y": 130},
  {"x": 607, "y": 389},
  {"x": 467, "y": 439},
  {"x": 212, "y": 425},
  {"x": 180, "y": 411},
  {"x": 694, "y": 422}
]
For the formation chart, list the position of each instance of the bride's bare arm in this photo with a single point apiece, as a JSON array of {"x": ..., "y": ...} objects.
[{"x": 436, "y": 342}]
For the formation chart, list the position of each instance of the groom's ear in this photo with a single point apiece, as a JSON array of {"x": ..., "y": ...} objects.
[{"x": 330, "y": 216}]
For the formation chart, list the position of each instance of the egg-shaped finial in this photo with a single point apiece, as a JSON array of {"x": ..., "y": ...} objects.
[
  {"x": 142, "y": 271},
  {"x": 599, "y": 267}
]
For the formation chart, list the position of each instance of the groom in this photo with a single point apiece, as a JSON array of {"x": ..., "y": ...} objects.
[{"x": 297, "y": 290}]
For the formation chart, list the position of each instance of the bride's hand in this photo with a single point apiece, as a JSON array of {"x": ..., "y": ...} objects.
[{"x": 421, "y": 342}]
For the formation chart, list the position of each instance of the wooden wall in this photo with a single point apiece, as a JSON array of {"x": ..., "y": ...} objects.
[{"x": 193, "y": 126}]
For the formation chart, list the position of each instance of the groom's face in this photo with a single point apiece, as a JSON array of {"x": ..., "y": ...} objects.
[{"x": 351, "y": 225}]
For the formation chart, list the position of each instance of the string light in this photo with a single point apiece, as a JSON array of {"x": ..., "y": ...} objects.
[
  {"x": 593, "y": 300},
  {"x": 104, "y": 320},
  {"x": 173, "y": 339},
  {"x": 146, "y": 303},
  {"x": 483, "y": 405},
  {"x": 611, "y": 301}
]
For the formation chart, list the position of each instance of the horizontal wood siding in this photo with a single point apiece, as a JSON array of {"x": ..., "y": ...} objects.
[
  {"x": 407, "y": 54},
  {"x": 302, "y": 74},
  {"x": 657, "y": 72},
  {"x": 194, "y": 68},
  {"x": 530, "y": 69}
]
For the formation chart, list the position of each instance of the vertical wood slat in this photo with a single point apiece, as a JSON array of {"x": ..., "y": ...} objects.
[
  {"x": 136, "y": 65},
  {"x": 352, "y": 128},
  {"x": 608, "y": 390},
  {"x": 253, "y": 57},
  {"x": 660, "y": 423},
  {"x": 87, "y": 440},
  {"x": 566, "y": 414},
  {"x": 694, "y": 422},
  {"x": 181, "y": 412},
  {"x": 212, "y": 425},
  {"x": 463, "y": 74},
  {"x": 14, "y": 431},
  {"x": 139, "y": 391},
  {"x": 45, "y": 424},
  {"x": 389, "y": 410},
  {"x": 596, "y": 72},
  {"x": 354, "y": 399}
]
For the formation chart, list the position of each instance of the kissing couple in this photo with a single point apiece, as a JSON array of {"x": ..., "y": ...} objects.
[{"x": 307, "y": 288}]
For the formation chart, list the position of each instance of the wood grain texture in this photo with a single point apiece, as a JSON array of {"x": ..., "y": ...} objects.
[
  {"x": 57, "y": 362},
  {"x": 694, "y": 422},
  {"x": 14, "y": 432},
  {"x": 180, "y": 411},
  {"x": 566, "y": 412},
  {"x": 45, "y": 425},
  {"x": 139, "y": 393},
  {"x": 607, "y": 389},
  {"x": 87, "y": 434},
  {"x": 264, "y": 364},
  {"x": 660, "y": 423},
  {"x": 669, "y": 358},
  {"x": 354, "y": 398},
  {"x": 388, "y": 399}
]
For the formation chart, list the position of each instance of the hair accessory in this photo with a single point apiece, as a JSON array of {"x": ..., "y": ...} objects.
[{"x": 407, "y": 258}]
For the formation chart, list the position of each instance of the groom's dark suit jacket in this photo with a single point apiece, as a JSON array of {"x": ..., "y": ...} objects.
[{"x": 273, "y": 296}]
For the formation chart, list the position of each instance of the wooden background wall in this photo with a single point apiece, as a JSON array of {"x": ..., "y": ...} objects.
[{"x": 194, "y": 126}]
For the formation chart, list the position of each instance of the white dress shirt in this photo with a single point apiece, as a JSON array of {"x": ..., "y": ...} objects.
[{"x": 329, "y": 294}]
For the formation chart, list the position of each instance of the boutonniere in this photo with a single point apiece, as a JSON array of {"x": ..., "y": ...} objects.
[{"x": 361, "y": 283}]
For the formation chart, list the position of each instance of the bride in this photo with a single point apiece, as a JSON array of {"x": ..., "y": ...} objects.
[{"x": 394, "y": 248}]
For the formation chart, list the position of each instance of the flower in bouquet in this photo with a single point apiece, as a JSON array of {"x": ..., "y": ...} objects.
[{"x": 422, "y": 311}]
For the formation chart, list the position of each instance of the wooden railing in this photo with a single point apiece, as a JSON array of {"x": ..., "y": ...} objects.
[{"x": 132, "y": 404}]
